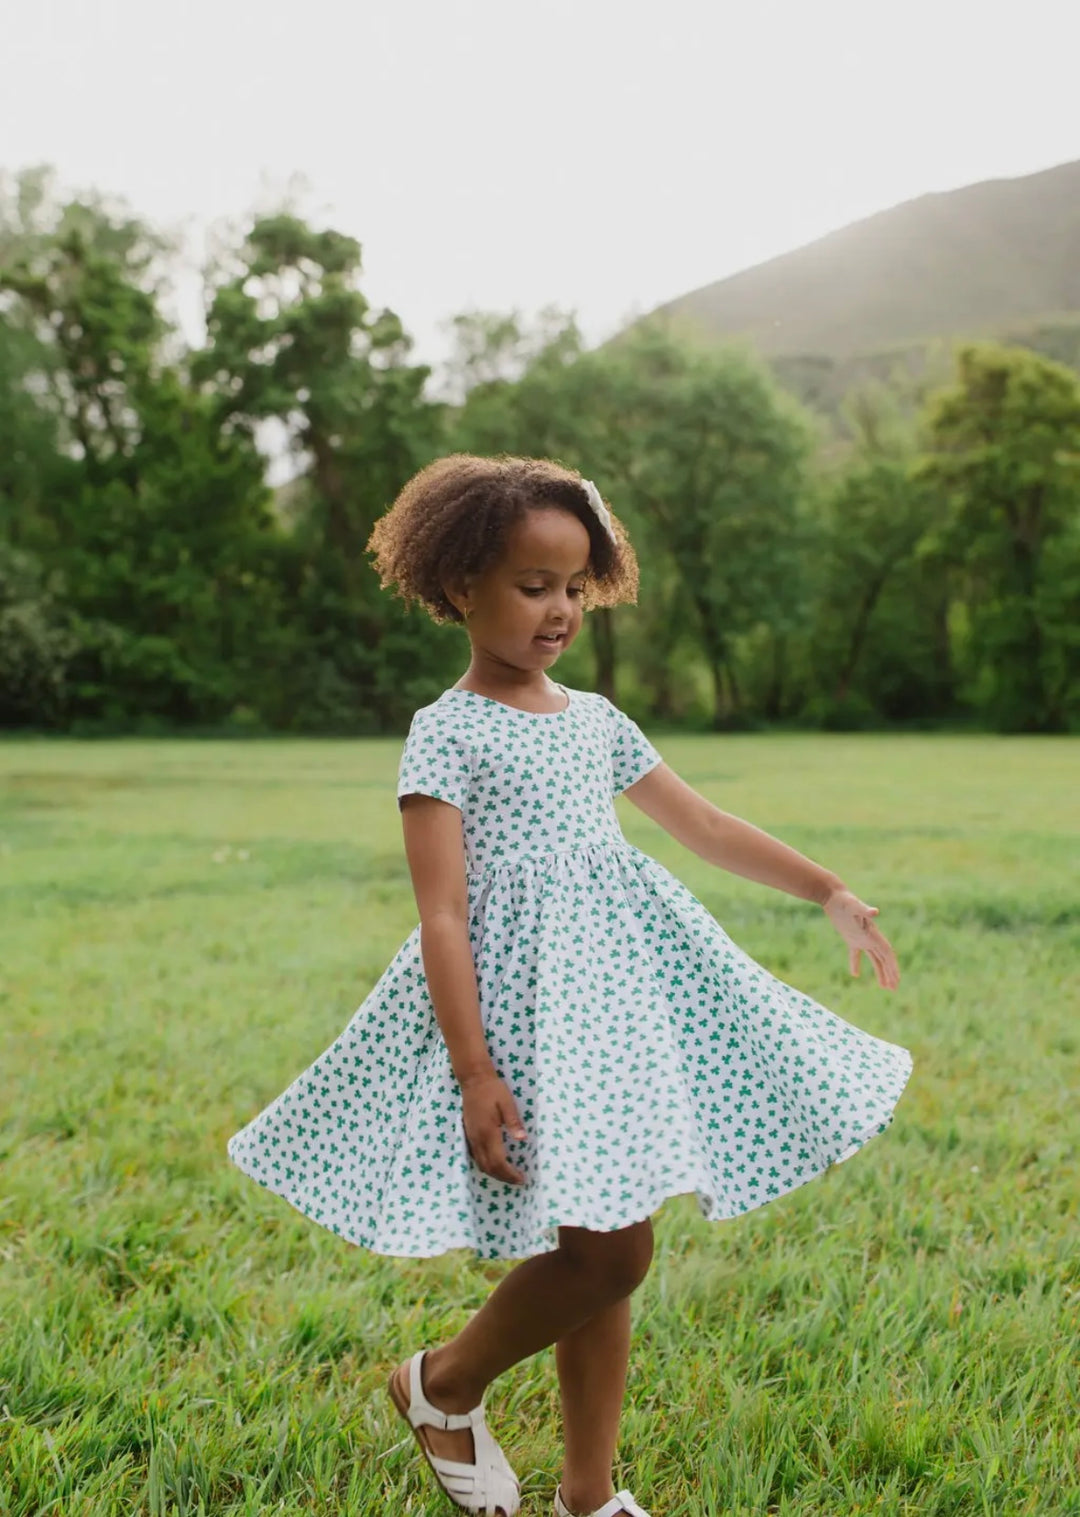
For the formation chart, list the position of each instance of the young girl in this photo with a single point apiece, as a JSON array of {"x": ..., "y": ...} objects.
[{"x": 561, "y": 985}]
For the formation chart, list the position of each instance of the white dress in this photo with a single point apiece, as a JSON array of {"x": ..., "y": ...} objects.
[{"x": 648, "y": 1055}]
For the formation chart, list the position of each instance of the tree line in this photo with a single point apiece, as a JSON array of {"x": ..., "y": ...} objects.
[{"x": 918, "y": 564}]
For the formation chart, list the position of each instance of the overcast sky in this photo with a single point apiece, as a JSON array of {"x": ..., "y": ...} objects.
[{"x": 601, "y": 155}]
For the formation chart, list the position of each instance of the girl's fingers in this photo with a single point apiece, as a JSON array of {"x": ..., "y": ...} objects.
[
  {"x": 881, "y": 955},
  {"x": 511, "y": 1121},
  {"x": 499, "y": 1167},
  {"x": 890, "y": 972},
  {"x": 877, "y": 948}
]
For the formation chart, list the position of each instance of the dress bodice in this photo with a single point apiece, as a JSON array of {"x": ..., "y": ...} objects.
[{"x": 526, "y": 782}]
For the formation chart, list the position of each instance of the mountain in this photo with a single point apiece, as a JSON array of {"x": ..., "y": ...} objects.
[{"x": 998, "y": 258}]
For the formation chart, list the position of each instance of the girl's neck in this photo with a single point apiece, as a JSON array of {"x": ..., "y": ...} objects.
[{"x": 532, "y": 689}]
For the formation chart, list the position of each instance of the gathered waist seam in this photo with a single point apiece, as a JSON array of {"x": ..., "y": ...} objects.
[{"x": 620, "y": 845}]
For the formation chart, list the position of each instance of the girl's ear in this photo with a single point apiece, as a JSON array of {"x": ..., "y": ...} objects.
[{"x": 457, "y": 594}]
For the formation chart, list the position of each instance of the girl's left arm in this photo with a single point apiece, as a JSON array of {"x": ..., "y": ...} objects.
[{"x": 741, "y": 848}]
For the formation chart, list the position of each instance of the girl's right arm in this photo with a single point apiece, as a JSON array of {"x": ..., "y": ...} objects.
[{"x": 435, "y": 849}]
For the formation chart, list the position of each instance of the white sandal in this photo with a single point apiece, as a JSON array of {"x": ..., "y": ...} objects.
[
  {"x": 485, "y": 1486},
  {"x": 622, "y": 1501}
]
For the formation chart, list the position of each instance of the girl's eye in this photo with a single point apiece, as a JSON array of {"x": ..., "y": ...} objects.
[{"x": 539, "y": 589}]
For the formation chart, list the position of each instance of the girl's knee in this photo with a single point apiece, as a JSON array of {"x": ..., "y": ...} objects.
[{"x": 619, "y": 1259}]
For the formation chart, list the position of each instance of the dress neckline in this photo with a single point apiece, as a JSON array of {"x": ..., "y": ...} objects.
[{"x": 517, "y": 710}]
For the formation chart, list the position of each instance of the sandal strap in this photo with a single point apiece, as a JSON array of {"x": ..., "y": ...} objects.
[
  {"x": 421, "y": 1411},
  {"x": 485, "y": 1485},
  {"x": 622, "y": 1501}
]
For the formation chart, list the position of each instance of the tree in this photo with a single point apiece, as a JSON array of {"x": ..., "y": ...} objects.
[
  {"x": 492, "y": 347},
  {"x": 874, "y": 516},
  {"x": 37, "y": 643},
  {"x": 291, "y": 336},
  {"x": 1005, "y": 459},
  {"x": 711, "y": 455},
  {"x": 153, "y": 537}
]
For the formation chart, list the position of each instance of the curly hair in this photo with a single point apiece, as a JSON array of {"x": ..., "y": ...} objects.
[{"x": 454, "y": 517}]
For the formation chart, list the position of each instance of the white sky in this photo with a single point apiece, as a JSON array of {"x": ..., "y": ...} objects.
[{"x": 601, "y": 155}]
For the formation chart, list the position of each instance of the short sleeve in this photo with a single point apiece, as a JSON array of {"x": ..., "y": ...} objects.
[
  {"x": 434, "y": 761},
  {"x": 632, "y": 755}
]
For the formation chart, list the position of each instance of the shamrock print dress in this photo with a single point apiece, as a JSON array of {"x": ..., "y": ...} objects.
[{"x": 647, "y": 1054}]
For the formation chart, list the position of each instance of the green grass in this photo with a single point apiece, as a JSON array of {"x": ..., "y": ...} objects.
[{"x": 899, "y": 1336}]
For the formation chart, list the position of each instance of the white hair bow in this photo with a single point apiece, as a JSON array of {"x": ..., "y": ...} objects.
[{"x": 596, "y": 500}]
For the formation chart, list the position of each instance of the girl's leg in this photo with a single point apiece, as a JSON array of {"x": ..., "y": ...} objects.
[
  {"x": 592, "y": 1362},
  {"x": 537, "y": 1303}
]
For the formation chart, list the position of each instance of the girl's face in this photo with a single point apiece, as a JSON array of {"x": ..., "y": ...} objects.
[{"x": 535, "y": 590}]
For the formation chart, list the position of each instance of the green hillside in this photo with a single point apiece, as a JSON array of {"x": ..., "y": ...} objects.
[
  {"x": 822, "y": 382},
  {"x": 999, "y": 258}
]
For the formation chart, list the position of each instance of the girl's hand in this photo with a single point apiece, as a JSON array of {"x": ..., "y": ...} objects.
[
  {"x": 852, "y": 919},
  {"x": 488, "y": 1107}
]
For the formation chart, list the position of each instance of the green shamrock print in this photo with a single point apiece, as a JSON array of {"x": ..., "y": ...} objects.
[{"x": 648, "y": 1055}]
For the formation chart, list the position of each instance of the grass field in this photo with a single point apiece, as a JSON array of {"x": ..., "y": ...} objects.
[{"x": 185, "y": 926}]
